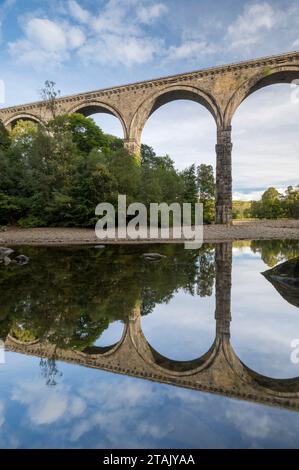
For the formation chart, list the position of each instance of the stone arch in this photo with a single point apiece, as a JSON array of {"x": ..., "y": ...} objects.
[
  {"x": 106, "y": 350},
  {"x": 284, "y": 388},
  {"x": 92, "y": 107},
  {"x": 22, "y": 117},
  {"x": 163, "y": 364},
  {"x": 22, "y": 343},
  {"x": 167, "y": 95},
  {"x": 266, "y": 77}
]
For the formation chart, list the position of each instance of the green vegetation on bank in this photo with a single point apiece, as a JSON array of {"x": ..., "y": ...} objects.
[
  {"x": 56, "y": 174},
  {"x": 272, "y": 205}
]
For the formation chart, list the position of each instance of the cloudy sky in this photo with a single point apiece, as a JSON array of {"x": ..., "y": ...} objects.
[{"x": 90, "y": 44}]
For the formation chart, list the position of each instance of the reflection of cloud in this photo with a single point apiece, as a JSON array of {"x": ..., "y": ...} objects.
[
  {"x": 102, "y": 410},
  {"x": 251, "y": 422},
  {"x": 2, "y": 418},
  {"x": 117, "y": 406},
  {"x": 263, "y": 426},
  {"x": 47, "y": 405}
]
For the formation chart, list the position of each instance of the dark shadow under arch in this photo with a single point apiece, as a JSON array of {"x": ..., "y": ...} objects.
[
  {"x": 88, "y": 109},
  {"x": 179, "y": 95},
  {"x": 182, "y": 366},
  {"x": 270, "y": 76},
  {"x": 105, "y": 350},
  {"x": 22, "y": 117}
]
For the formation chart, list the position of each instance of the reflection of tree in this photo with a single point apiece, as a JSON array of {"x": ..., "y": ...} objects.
[
  {"x": 275, "y": 251},
  {"x": 49, "y": 371},
  {"x": 206, "y": 276},
  {"x": 21, "y": 333},
  {"x": 69, "y": 296}
]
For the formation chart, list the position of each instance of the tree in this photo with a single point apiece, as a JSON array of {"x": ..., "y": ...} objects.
[
  {"x": 190, "y": 182},
  {"x": 290, "y": 202},
  {"x": 23, "y": 133},
  {"x": 85, "y": 132},
  {"x": 4, "y": 138},
  {"x": 270, "y": 205},
  {"x": 49, "y": 95},
  {"x": 207, "y": 188}
]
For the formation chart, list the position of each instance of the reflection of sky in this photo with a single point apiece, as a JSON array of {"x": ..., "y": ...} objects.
[
  {"x": 263, "y": 323},
  {"x": 95, "y": 409},
  {"x": 183, "y": 329},
  {"x": 112, "y": 335}
]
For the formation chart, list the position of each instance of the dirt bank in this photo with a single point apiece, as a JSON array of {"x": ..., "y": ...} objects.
[{"x": 249, "y": 230}]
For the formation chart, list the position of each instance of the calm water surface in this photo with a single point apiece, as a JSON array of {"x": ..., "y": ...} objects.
[{"x": 71, "y": 308}]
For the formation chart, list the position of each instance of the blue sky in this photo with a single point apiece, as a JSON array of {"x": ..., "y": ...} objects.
[{"x": 85, "y": 44}]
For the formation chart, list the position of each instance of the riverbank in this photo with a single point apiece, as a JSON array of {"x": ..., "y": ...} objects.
[{"x": 245, "y": 230}]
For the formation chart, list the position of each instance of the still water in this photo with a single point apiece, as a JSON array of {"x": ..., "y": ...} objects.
[{"x": 107, "y": 348}]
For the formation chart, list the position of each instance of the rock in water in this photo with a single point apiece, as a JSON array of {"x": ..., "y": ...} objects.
[
  {"x": 153, "y": 256},
  {"x": 4, "y": 251},
  {"x": 6, "y": 260},
  {"x": 22, "y": 260}
]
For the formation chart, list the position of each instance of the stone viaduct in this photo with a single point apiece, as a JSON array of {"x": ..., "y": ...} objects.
[
  {"x": 219, "y": 89},
  {"x": 218, "y": 371}
]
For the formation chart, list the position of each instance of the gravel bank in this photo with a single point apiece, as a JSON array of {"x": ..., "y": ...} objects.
[{"x": 251, "y": 230}]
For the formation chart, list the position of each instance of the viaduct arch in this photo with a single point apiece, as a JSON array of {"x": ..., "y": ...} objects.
[{"x": 219, "y": 89}]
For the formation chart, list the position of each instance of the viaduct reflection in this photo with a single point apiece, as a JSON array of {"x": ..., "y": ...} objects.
[{"x": 219, "y": 370}]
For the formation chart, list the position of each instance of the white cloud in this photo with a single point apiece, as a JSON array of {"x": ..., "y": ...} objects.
[
  {"x": 256, "y": 19},
  {"x": 190, "y": 49},
  {"x": 2, "y": 418},
  {"x": 78, "y": 13},
  {"x": 118, "y": 18},
  {"x": 115, "y": 32},
  {"x": 49, "y": 35},
  {"x": 147, "y": 14},
  {"x": 45, "y": 40},
  {"x": 124, "y": 50}
]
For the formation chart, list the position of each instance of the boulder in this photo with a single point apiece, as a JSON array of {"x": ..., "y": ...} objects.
[
  {"x": 4, "y": 251},
  {"x": 153, "y": 256},
  {"x": 22, "y": 260}
]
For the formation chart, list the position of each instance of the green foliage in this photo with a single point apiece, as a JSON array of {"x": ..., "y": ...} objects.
[
  {"x": 56, "y": 174},
  {"x": 207, "y": 188},
  {"x": 86, "y": 135},
  {"x": 274, "y": 205},
  {"x": 275, "y": 251},
  {"x": 4, "y": 138},
  {"x": 241, "y": 209}
]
